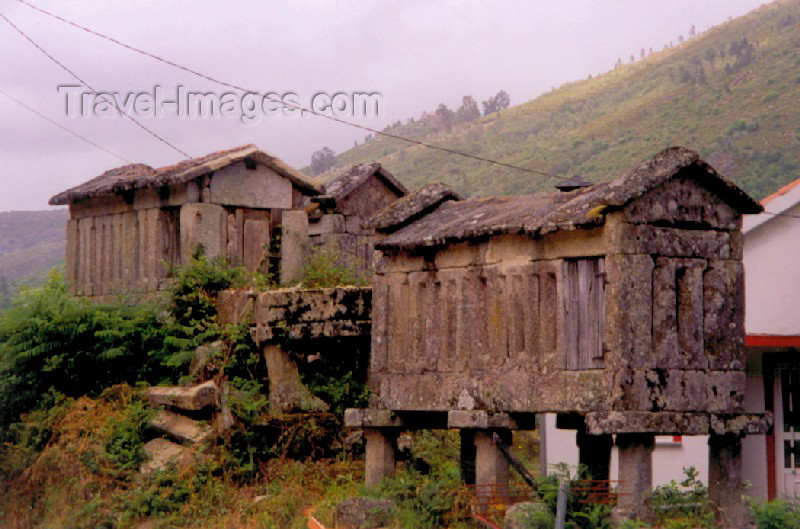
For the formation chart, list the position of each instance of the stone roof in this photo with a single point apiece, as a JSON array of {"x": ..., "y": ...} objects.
[
  {"x": 412, "y": 206},
  {"x": 140, "y": 176},
  {"x": 347, "y": 182},
  {"x": 544, "y": 213}
]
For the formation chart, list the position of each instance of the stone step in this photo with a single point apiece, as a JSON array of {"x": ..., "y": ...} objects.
[
  {"x": 162, "y": 453},
  {"x": 184, "y": 429},
  {"x": 190, "y": 399}
]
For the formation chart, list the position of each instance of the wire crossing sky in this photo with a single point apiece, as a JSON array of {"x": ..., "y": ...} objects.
[{"x": 415, "y": 54}]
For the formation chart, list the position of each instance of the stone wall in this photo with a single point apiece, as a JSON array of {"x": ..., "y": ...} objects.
[
  {"x": 484, "y": 322},
  {"x": 132, "y": 242},
  {"x": 343, "y": 229}
]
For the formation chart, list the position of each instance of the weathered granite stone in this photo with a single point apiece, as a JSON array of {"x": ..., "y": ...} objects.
[
  {"x": 635, "y": 476},
  {"x": 205, "y": 226},
  {"x": 295, "y": 244},
  {"x": 184, "y": 429},
  {"x": 286, "y": 392},
  {"x": 380, "y": 453},
  {"x": 363, "y": 513},
  {"x": 726, "y": 483},
  {"x": 189, "y": 398}
]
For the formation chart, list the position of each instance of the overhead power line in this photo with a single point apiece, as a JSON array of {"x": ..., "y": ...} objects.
[
  {"x": 89, "y": 87},
  {"x": 289, "y": 104},
  {"x": 83, "y": 138},
  {"x": 277, "y": 100}
]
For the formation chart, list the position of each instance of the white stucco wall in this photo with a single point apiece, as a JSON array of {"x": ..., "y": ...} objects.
[
  {"x": 668, "y": 460},
  {"x": 772, "y": 269}
]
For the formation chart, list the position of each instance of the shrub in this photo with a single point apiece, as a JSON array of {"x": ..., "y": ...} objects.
[
  {"x": 51, "y": 342},
  {"x": 683, "y": 505},
  {"x": 778, "y": 514},
  {"x": 326, "y": 268}
]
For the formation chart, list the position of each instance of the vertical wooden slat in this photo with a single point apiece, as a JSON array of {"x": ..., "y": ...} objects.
[
  {"x": 598, "y": 359},
  {"x": 570, "y": 299}
]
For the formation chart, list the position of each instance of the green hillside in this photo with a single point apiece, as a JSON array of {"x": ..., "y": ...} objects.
[
  {"x": 732, "y": 93},
  {"x": 31, "y": 243}
]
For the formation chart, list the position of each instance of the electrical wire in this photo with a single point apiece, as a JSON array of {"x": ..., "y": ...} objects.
[
  {"x": 87, "y": 140},
  {"x": 89, "y": 87},
  {"x": 277, "y": 100},
  {"x": 289, "y": 104}
]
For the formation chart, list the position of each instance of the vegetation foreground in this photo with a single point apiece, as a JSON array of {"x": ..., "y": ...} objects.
[{"x": 73, "y": 424}]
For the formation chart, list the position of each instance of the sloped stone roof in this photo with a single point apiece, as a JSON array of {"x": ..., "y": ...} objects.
[
  {"x": 347, "y": 182},
  {"x": 544, "y": 213},
  {"x": 140, "y": 176},
  {"x": 415, "y": 204}
]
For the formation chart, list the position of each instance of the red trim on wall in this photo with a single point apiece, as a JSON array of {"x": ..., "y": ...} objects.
[
  {"x": 771, "y": 340},
  {"x": 768, "y": 368}
]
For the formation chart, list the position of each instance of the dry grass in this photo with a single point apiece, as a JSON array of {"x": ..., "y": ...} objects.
[{"x": 72, "y": 483}]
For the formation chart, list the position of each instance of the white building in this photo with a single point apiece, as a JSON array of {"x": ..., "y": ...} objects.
[{"x": 772, "y": 324}]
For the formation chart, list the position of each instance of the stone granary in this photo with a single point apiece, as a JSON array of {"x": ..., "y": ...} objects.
[
  {"x": 337, "y": 216},
  {"x": 131, "y": 226},
  {"x": 618, "y": 306}
]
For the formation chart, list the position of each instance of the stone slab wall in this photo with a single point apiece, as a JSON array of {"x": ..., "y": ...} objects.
[
  {"x": 481, "y": 323},
  {"x": 343, "y": 231},
  {"x": 299, "y": 314}
]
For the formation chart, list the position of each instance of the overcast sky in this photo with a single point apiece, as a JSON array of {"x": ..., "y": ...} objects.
[{"x": 415, "y": 53}]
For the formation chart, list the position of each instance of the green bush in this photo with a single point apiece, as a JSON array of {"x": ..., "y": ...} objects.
[
  {"x": 684, "y": 504},
  {"x": 426, "y": 501},
  {"x": 53, "y": 342},
  {"x": 326, "y": 268},
  {"x": 778, "y": 514}
]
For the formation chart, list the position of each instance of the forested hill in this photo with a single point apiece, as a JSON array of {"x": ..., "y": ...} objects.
[
  {"x": 31, "y": 242},
  {"x": 732, "y": 93}
]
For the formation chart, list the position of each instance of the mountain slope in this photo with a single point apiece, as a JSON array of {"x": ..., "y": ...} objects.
[
  {"x": 31, "y": 242},
  {"x": 731, "y": 93}
]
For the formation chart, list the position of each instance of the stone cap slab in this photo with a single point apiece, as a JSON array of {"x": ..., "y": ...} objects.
[
  {"x": 672, "y": 423},
  {"x": 371, "y": 418}
]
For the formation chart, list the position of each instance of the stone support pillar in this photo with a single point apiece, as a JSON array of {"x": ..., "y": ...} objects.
[
  {"x": 381, "y": 446},
  {"x": 725, "y": 482},
  {"x": 491, "y": 467},
  {"x": 635, "y": 476}
]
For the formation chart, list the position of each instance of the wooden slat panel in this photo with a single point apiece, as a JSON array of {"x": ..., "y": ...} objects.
[
  {"x": 570, "y": 308},
  {"x": 583, "y": 306}
]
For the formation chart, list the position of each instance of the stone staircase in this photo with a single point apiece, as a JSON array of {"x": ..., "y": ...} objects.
[{"x": 184, "y": 427}]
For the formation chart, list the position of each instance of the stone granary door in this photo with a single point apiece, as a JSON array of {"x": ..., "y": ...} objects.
[{"x": 787, "y": 430}]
